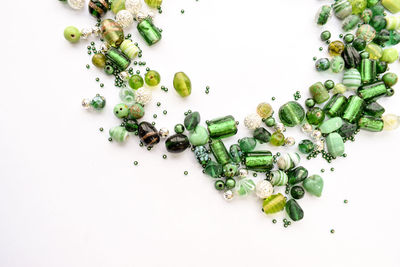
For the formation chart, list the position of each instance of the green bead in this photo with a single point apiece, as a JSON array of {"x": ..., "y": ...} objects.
[
  {"x": 297, "y": 175},
  {"x": 99, "y": 60},
  {"x": 177, "y": 143},
  {"x": 315, "y": 116},
  {"x": 322, "y": 64},
  {"x": 274, "y": 203},
  {"x": 368, "y": 70},
  {"x": 213, "y": 169},
  {"x": 335, "y": 144},
  {"x": 109, "y": 69},
  {"x": 294, "y": 210},
  {"x": 219, "y": 151},
  {"x": 179, "y": 128},
  {"x": 331, "y": 125},
  {"x": 247, "y": 144},
  {"x": 112, "y": 32},
  {"x": 117, "y": 5},
  {"x": 350, "y": 23},
  {"x": 119, "y": 134},
  {"x": 390, "y": 79},
  {"x": 371, "y": 124},
  {"x": 219, "y": 185},
  {"x": 325, "y": 35},
  {"x": 390, "y": 55},
  {"x": 374, "y": 50},
  {"x": 372, "y": 91},
  {"x": 374, "y": 109},
  {"x": 222, "y": 127},
  {"x": 347, "y": 129},
  {"x": 199, "y": 136},
  {"x": 152, "y": 78},
  {"x": 358, "y": 6},
  {"x": 291, "y": 114},
  {"x": 314, "y": 185},
  {"x": 149, "y": 32},
  {"x": 310, "y": 102},
  {"x": 342, "y": 9},
  {"x": 359, "y": 44},
  {"x": 354, "y": 108},
  {"x": 182, "y": 84},
  {"x": 323, "y": 15},
  {"x": 335, "y": 106},
  {"x": 136, "y": 81},
  {"x": 131, "y": 126},
  {"x": 235, "y": 153},
  {"x": 98, "y": 102},
  {"x": 191, "y": 121},
  {"x": 261, "y": 161},
  {"x": 371, "y": 3},
  {"x": 306, "y": 146},
  {"x": 230, "y": 170},
  {"x": 378, "y": 22},
  {"x": 72, "y": 34},
  {"x": 377, "y": 10},
  {"x": 297, "y": 192},
  {"x": 381, "y": 67},
  {"x": 245, "y": 186},
  {"x": 278, "y": 178},
  {"x": 262, "y": 135},
  {"x": 153, "y": 3},
  {"x": 118, "y": 58},
  {"x": 136, "y": 111},
  {"x": 230, "y": 183},
  {"x": 337, "y": 65},
  {"x": 348, "y": 38},
  {"x": 121, "y": 110},
  {"x": 319, "y": 92},
  {"x": 277, "y": 139},
  {"x": 270, "y": 122}
]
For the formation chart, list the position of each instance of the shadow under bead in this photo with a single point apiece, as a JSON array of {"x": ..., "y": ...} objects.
[{"x": 148, "y": 134}]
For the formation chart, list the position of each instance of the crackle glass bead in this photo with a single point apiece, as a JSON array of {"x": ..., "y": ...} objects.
[
  {"x": 336, "y": 48},
  {"x": 264, "y": 110},
  {"x": 252, "y": 121},
  {"x": 264, "y": 189},
  {"x": 124, "y": 18},
  {"x": 133, "y": 6}
]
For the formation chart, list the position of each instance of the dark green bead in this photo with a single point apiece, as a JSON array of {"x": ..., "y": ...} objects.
[
  {"x": 191, "y": 121},
  {"x": 222, "y": 127},
  {"x": 247, "y": 144},
  {"x": 315, "y": 116},
  {"x": 382, "y": 37},
  {"x": 374, "y": 109},
  {"x": 359, "y": 44},
  {"x": 347, "y": 130},
  {"x": 213, "y": 169},
  {"x": 131, "y": 126},
  {"x": 219, "y": 151},
  {"x": 230, "y": 183},
  {"x": 322, "y": 64},
  {"x": 179, "y": 128},
  {"x": 235, "y": 153},
  {"x": 329, "y": 84},
  {"x": 219, "y": 185},
  {"x": 306, "y": 146},
  {"x": 98, "y": 102},
  {"x": 149, "y": 32},
  {"x": 261, "y": 161},
  {"x": 310, "y": 102},
  {"x": 297, "y": 175},
  {"x": 177, "y": 143},
  {"x": 381, "y": 67},
  {"x": 270, "y": 122},
  {"x": 325, "y": 35},
  {"x": 377, "y": 10},
  {"x": 371, "y": 124},
  {"x": 262, "y": 135},
  {"x": 291, "y": 114},
  {"x": 352, "y": 58},
  {"x": 378, "y": 22},
  {"x": 294, "y": 210},
  {"x": 335, "y": 106},
  {"x": 297, "y": 192}
]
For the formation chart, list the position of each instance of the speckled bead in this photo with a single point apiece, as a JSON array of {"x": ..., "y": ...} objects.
[
  {"x": 136, "y": 111},
  {"x": 264, "y": 189},
  {"x": 319, "y": 92},
  {"x": 336, "y": 48},
  {"x": 121, "y": 111}
]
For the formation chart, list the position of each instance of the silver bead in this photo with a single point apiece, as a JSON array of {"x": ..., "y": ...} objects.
[
  {"x": 143, "y": 95},
  {"x": 316, "y": 134},
  {"x": 124, "y": 18},
  {"x": 264, "y": 189},
  {"x": 163, "y": 132},
  {"x": 140, "y": 16},
  {"x": 289, "y": 141},
  {"x": 228, "y": 195},
  {"x": 306, "y": 128},
  {"x": 151, "y": 14},
  {"x": 319, "y": 145},
  {"x": 280, "y": 127},
  {"x": 243, "y": 173},
  {"x": 86, "y": 32},
  {"x": 133, "y": 6},
  {"x": 86, "y": 103},
  {"x": 124, "y": 75},
  {"x": 96, "y": 31},
  {"x": 252, "y": 121},
  {"x": 104, "y": 47},
  {"x": 76, "y": 4}
]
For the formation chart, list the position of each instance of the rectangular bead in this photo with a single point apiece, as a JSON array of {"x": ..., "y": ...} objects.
[
  {"x": 260, "y": 161},
  {"x": 222, "y": 127}
]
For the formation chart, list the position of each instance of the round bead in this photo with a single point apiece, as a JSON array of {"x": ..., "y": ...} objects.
[
  {"x": 252, "y": 121},
  {"x": 124, "y": 18},
  {"x": 315, "y": 116},
  {"x": 329, "y": 84},
  {"x": 98, "y": 8},
  {"x": 374, "y": 50},
  {"x": 316, "y": 134},
  {"x": 229, "y": 170},
  {"x": 279, "y": 127},
  {"x": 277, "y": 139},
  {"x": 72, "y": 34},
  {"x": 121, "y": 110},
  {"x": 322, "y": 64},
  {"x": 306, "y": 128},
  {"x": 117, "y": 5},
  {"x": 136, "y": 81},
  {"x": 230, "y": 183},
  {"x": 76, "y": 4},
  {"x": 270, "y": 122},
  {"x": 306, "y": 146},
  {"x": 86, "y": 103},
  {"x": 243, "y": 173},
  {"x": 348, "y": 38},
  {"x": 264, "y": 189},
  {"x": 133, "y": 6},
  {"x": 390, "y": 79},
  {"x": 309, "y": 102},
  {"x": 136, "y": 111},
  {"x": 98, "y": 102},
  {"x": 366, "y": 32},
  {"x": 291, "y": 114},
  {"x": 352, "y": 79},
  {"x": 319, "y": 145},
  {"x": 325, "y": 35},
  {"x": 152, "y": 78},
  {"x": 390, "y": 55},
  {"x": 112, "y": 32},
  {"x": 143, "y": 96},
  {"x": 297, "y": 192},
  {"x": 336, "y": 48},
  {"x": 109, "y": 69},
  {"x": 390, "y": 122},
  {"x": 337, "y": 64},
  {"x": 278, "y": 178},
  {"x": 264, "y": 110},
  {"x": 99, "y": 60},
  {"x": 179, "y": 128},
  {"x": 219, "y": 185}
]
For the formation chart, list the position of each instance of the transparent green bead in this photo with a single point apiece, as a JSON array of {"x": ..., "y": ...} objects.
[
  {"x": 136, "y": 81},
  {"x": 179, "y": 128},
  {"x": 247, "y": 144},
  {"x": 277, "y": 139},
  {"x": 152, "y": 78},
  {"x": 315, "y": 116},
  {"x": 306, "y": 146}
]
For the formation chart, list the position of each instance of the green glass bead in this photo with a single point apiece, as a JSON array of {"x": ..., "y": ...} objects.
[
  {"x": 108, "y": 69},
  {"x": 230, "y": 183},
  {"x": 359, "y": 44},
  {"x": 366, "y": 32},
  {"x": 288, "y": 161},
  {"x": 352, "y": 79},
  {"x": 131, "y": 126},
  {"x": 230, "y": 170},
  {"x": 374, "y": 109},
  {"x": 179, "y": 128},
  {"x": 72, "y": 34},
  {"x": 98, "y": 8},
  {"x": 335, "y": 48},
  {"x": 278, "y": 178},
  {"x": 331, "y": 125},
  {"x": 347, "y": 129},
  {"x": 136, "y": 111},
  {"x": 335, "y": 106},
  {"x": 219, "y": 151},
  {"x": 177, "y": 143},
  {"x": 335, "y": 144},
  {"x": 348, "y": 38},
  {"x": 213, "y": 169},
  {"x": 390, "y": 79},
  {"x": 274, "y": 203},
  {"x": 371, "y": 124},
  {"x": 261, "y": 161},
  {"x": 394, "y": 38},
  {"x": 152, "y": 78},
  {"x": 374, "y": 50},
  {"x": 191, "y": 121},
  {"x": 371, "y": 3},
  {"x": 358, "y": 6},
  {"x": 136, "y": 81},
  {"x": 294, "y": 211},
  {"x": 99, "y": 60},
  {"x": 199, "y": 136},
  {"x": 245, "y": 186},
  {"x": 247, "y": 144},
  {"x": 377, "y": 10},
  {"x": 219, "y": 185},
  {"x": 342, "y": 9},
  {"x": 372, "y": 91},
  {"x": 297, "y": 192},
  {"x": 182, "y": 84},
  {"x": 323, "y": 15},
  {"x": 350, "y": 23},
  {"x": 315, "y": 116},
  {"x": 390, "y": 55},
  {"x": 291, "y": 114},
  {"x": 368, "y": 70},
  {"x": 319, "y": 92},
  {"x": 310, "y": 102},
  {"x": 262, "y": 135},
  {"x": 325, "y": 35},
  {"x": 337, "y": 64},
  {"x": 351, "y": 57},
  {"x": 381, "y": 67},
  {"x": 382, "y": 37},
  {"x": 121, "y": 111},
  {"x": 277, "y": 139},
  {"x": 202, "y": 156},
  {"x": 270, "y": 122},
  {"x": 297, "y": 175},
  {"x": 354, "y": 108},
  {"x": 153, "y": 3},
  {"x": 322, "y": 64},
  {"x": 98, "y": 102},
  {"x": 117, "y": 5},
  {"x": 314, "y": 185},
  {"x": 119, "y": 134},
  {"x": 222, "y": 127},
  {"x": 112, "y": 32},
  {"x": 148, "y": 31},
  {"x": 118, "y": 58},
  {"x": 389, "y": 92},
  {"x": 378, "y": 22},
  {"x": 306, "y": 146},
  {"x": 235, "y": 153}
]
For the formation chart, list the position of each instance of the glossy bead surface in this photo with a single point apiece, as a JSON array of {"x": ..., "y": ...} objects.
[
  {"x": 277, "y": 139},
  {"x": 319, "y": 92},
  {"x": 220, "y": 152},
  {"x": 278, "y": 178},
  {"x": 72, "y": 34},
  {"x": 118, "y": 58},
  {"x": 136, "y": 111},
  {"x": 374, "y": 50},
  {"x": 260, "y": 161},
  {"x": 291, "y": 114},
  {"x": 335, "y": 106},
  {"x": 222, "y": 127},
  {"x": 112, "y": 32},
  {"x": 352, "y": 79},
  {"x": 152, "y": 78},
  {"x": 314, "y": 185},
  {"x": 230, "y": 170},
  {"x": 264, "y": 189},
  {"x": 336, "y": 48},
  {"x": 148, "y": 134},
  {"x": 350, "y": 23},
  {"x": 392, "y": 5},
  {"x": 359, "y": 44},
  {"x": 264, "y": 110},
  {"x": 213, "y": 169},
  {"x": 247, "y": 144},
  {"x": 378, "y": 22},
  {"x": 374, "y": 109},
  {"x": 98, "y": 102},
  {"x": 323, "y": 15},
  {"x": 177, "y": 143},
  {"x": 335, "y": 144},
  {"x": 390, "y": 79},
  {"x": 235, "y": 153},
  {"x": 372, "y": 91},
  {"x": 366, "y": 32},
  {"x": 390, "y": 55},
  {"x": 199, "y": 136},
  {"x": 179, "y": 128},
  {"x": 288, "y": 161},
  {"x": 322, "y": 64},
  {"x": 293, "y": 210},
  {"x": 274, "y": 203},
  {"x": 136, "y": 81},
  {"x": 306, "y": 146},
  {"x": 149, "y": 32},
  {"x": 297, "y": 175},
  {"x": 315, "y": 116},
  {"x": 352, "y": 58},
  {"x": 262, "y": 135},
  {"x": 117, "y": 5},
  {"x": 202, "y": 156},
  {"x": 99, "y": 60},
  {"x": 131, "y": 125},
  {"x": 331, "y": 125},
  {"x": 230, "y": 183},
  {"x": 325, "y": 35},
  {"x": 129, "y": 49},
  {"x": 182, "y": 84},
  {"x": 119, "y": 134},
  {"x": 371, "y": 124},
  {"x": 297, "y": 192},
  {"x": 192, "y": 120},
  {"x": 347, "y": 129},
  {"x": 245, "y": 186},
  {"x": 219, "y": 185},
  {"x": 354, "y": 108},
  {"x": 98, "y": 8},
  {"x": 121, "y": 110},
  {"x": 337, "y": 64}
]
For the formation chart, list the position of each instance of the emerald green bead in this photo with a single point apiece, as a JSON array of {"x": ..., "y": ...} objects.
[
  {"x": 262, "y": 135},
  {"x": 381, "y": 67},
  {"x": 368, "y": 70},
  {"x": 377, "y": 10},
  {"x": 291, "y": 114},
  {"x": 118, "y": 58},
  {"x": 274, "y": 203},
  {"x": 219, "y": 151},
  {"x": 131, "y": 126},
  {"x": 222, "y": 127},
  {"x": 99, "y": 60},
  {"x": 72, "y": 34},
  {"x": 335, "y": 106},
  {"x": 297, "y": 175},
  {"x": 325, "y": 35},
  {"x": 347, "y": 129},
  {"x": 219, "y": 185},
  {"x": 213, "y": 169},
  {"x": 277, "y": 139},
  {"x": 315, "y": 116},
  {"x": 310, "y": 102},
  {"x": 354, "y": 108},
  {"x": 374, "y": 109},
  {"x": 371, "y": 124},
  {"x": 230, "y": 183},
  {"x": 152, "y": 78},
  {"x": 148, "y": 31},
  {"x": 199, "y": 136},
  {"x": 331, "y": 125},
  {"x": 329, "y": 84},
  {"x": 359, "y": 44},
  {"x": 319, "y": 93},
  {"x": 322, "y": 64},
  {"x": 230, "y": 170},
  {"x": 335, "y": 144},
  {"x": 235, "y": 153},
  {"x": 182, "y": 84},
  {"x": 98, "y": 102},
  {"x": 390, "y": 79},
  {"x": 378, "y": 22},
  {"x": 261, "y": 161},
  {"x": 372, "y": 91},
  {"x": 247, "y": 144},
  {"x": 191, "y": 121},
  {"x": 270, "y": 122},
  {"x": 297, "y": 192},
  {"x": 121, "y": 111},
  {"x": 294, "y": 211},
  {"x": 306, "y": 146},
  {"x": 136, "y": 81},
  {"x": 314, "y": 185}
]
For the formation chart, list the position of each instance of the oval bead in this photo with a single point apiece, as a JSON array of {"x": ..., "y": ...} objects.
[
  {"x": 291, "y": 114},
  {"x": 297, "y": 175},
  {"x": 112, "y": 32},
  {"x": 278, "y": 178},
  {"x": 288, "y": 161},
  {"x": 294, "y": 211},
  {"x": 119, "y": 134},
  {"x": 335, "y": 145},
  {"x": 182, "y": 84},
  {"x": 148, "y": 134},
  {"x": 274, "y": 203},
  {"x": 177, "y": 143}
]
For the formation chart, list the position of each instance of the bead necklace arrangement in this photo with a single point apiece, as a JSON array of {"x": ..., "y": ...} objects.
[{"x": 334, "y": 113}]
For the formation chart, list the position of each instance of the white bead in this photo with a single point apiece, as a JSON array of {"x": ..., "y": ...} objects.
[
  {"x": 133, "y": 6},
  {"x": 140, "y": 16},
  {"x": 319, "y": 145},
  {"x": 243, "y": 173},
  {"x": 252, "y": 121},
  {"x": 151, "y": 14},
  {"x": 163, "y": 132},
  {"x": 228, "y": 195},
  {"x": 289, "y": 141},
  {"x": 280, "y": 127},
  {"x": 124, "y": 18},
  {"x": 124, "y": 75},
  {"x": 390, "y": 122},
  {"x": 264, "y": 189},
  {"x": 143, "y": 95},
  {"x": 86, "y": 32},
  {"x": 316, "y": 134},
  {"x": 76, "y": 4},
  {"x": 86, "y": 103},
  {"x": 306, "y": 128}
]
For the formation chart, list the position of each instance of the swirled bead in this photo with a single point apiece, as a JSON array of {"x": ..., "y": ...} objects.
[
  {"x": 127, "y": 96},
  {"x": 112, "y": 32},
  {"x": 148, "y": 133},
  {"x": 366, "y": 32},
  {"x": 274, "y": 203},
  {"x": 129, "y": 49},
  {"x": 288, "y": 161},
  {"x": 98, "y": 8},
  {"x": 119, "y": 134},
  {"x": 342, "y": 9},
  {"x": 278, "y": 178},
  {"x": 264, "y": 189}
]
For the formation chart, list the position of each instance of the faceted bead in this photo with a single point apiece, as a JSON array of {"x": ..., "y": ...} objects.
[
  {"x": 264, "y": 110},
  {"x": 337, "y": 64},
  {"x": 371, "y": 124},
  {"x": 374, "y": 109},
  {"x": 136, "y": 81},
  {"x": 262, "y": 135},
  {"x": 278, "y": 178},
  {"x": 390, "y": 79},
  {"x": 148, "y": 31},
  {"x": 177, "y": 143},
  {"x": 112, "y": 32},
  {"x": 306, "y": 146},
  {"x": 291, "y": 114},
  {"x": 391, "y": 122},
  {"x": 288, "y": 161},
  {"x": 294, "y": 211},
  {"x": 247, "y": 144},
  {"x": 119, "y": 134},
  {"x": 390, "y": 55},
  {"x": 315, "y": 116},
  {"x": 252, "y": 121},
  {"x": 98, "y": 102},
  {"x": 277, "y": 139},
  {"x": 331, "y": 125},
  {"x": 350, "y": 23},
  {"x": 191, "y": 121},
  {"x": 72, "y": 34},
  {"x": 230, "y": 183},
  {"x": 245, "y": 187},
  {"x": 297, "y": 192},
  {"x": 213, "y": 169},
  {"x": 378, "y": 22},
  {"x": 314, "y": 185},
  {"x": 201, "y": 154},
  {"x": 222, "y": 127},
  {"x": 323, "y": 14},
  {"x": 264, "y": 189},
  {"x": 179, "y": 128},
  {"x": 199, "y": 136},
  {"x": 274, "y": 203},
  {"x": 347, "y": 129},
  {"x": 152, "y": 78},
  {"x": 336, "y": 48},
  {"x": 235, "y": 153},
  {"x": 322, "y": 64},
  {"x": 98, "y": 8},
  {"x": 352, "y": 58},
  {"x": 335, "y": 144},
  {"x": 153, "y": 3},
  {"x": 392, "y": 5},
  {"x": 182, "y": 84},
  {"x": 121, "y": 110},
  {"x": 374, "y": 50},
  {"x": 358, "y": 6},
  {"x": 366, "y": 32},
  {"x": 259, "y": 161},
  {"x": 297, "y": 175},
  {"x": 148, "y": 134},
  {"x": 230, "y": 170},
  {"x": 342, "y": 9},
  {"x": 319, "y": 93}
]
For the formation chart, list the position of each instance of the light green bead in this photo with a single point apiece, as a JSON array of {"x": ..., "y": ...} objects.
[
  {"x": 153, "y": 3},
  {"x": 199, "y": 136},
  {"x": 358, "y": 6},
  {"x": 314, "y": 185},
  {"x": 274, "y": 203},
  {"x": 119, "y": 134},
  {"x": 117, "y": 5},
  {"x": 339, "y": 88},
  {"x": 337, "y": 64},
  {"x": 182, "y": 84},
  {"x": 331, "y": 125},
  {"x": 245, "y": 186},
  {"x": 72, "y": 34},
  {"x": 152, "y": 78},
  {"x": 390, "y": 55},
  {"x": 121, "y": 111},
  {"x": 374, "y": 50},
  {"x": 335, "y": 144},
  {"x": 392, "y": 5}
]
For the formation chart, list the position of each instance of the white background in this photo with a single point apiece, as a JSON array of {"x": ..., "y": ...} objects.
[{"x": 68, "y": 197}]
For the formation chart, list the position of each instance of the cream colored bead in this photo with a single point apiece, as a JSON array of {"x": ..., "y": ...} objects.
[
  {"x": 264, "y": 189},
  {"x": 133, "y": 6},
  {"x": 390, "y": 122},
  {"x": 143, "y": 95},
  {"x": 252, "y": 121},
  {"x": 124, "y": 18}
]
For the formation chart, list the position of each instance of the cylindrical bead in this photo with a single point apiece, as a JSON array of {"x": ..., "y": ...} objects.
[
  {"x": 372, "y": 91},
  {"x": 149, "y": 32},
  {"x": 119, "y": 59},
  {"x": 335, "y": 105},
  {"x": 222, "y": 127},
  {"x": 129, "y": 49},
  {"x": 354, "y": 108},
  {"x": 319, "y": 92},
  {"x": 368, "y": 70},
  {"x": 260, "y": 161},
  {"x": 220, "y": 152},
  {"x": 371, "y": 124}
]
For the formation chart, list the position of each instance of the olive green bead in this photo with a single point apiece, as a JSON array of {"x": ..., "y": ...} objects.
[
  {"x": 179, "y": 128},
  {"x": 182, "y": 84},
  {"x": 136, "y": 81},
  {"x": 219, "y": 185},
  {"x": 99, "y": 60},
  {"x": 390, "y": 79},
  {"x": 277, "y": 139},
  {"x": 319, "y": 92},
  {"x": 315, "y": 116},
  {"x": 121, "y": 111},
  {"x": 153, "y": 3},
  {"x": 117, "y": 5},
  {"x": 348, "y": 38},
  {"x": 152, "y": 78},
  {"x": 72, "y": 34}
]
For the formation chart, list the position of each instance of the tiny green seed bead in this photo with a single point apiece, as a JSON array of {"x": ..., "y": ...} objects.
[{"x": 185, "y": 172}]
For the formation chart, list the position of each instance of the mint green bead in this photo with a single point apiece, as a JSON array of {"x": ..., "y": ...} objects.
[
  {"x": 337, "y": 64},
  {"x": 247, "y": 144},
  {"x": 335, "y": 144},
  {"x": 199, "y": 136},
  {"x": 152, "y": 78},
  {"x": 331, "y": 125},
  {"x": 136, "y": 81},
  {"x": 121, "y": 111},
  {"x": 314, "y": 185},
  {"x": 72, "y": 34},
  {"x": 119, "y": 134}
]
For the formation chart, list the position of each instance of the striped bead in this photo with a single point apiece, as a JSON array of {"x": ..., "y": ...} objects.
[
  {"x": 274, "y": 203},
  {"x": 366, "y": 32},
  {"x": 288, "y": 161},
  {"x": 392, "y": 23},
  {"x": 119, "y": 134},
  {"x": 278, "y": 178},
  {"x": 352, "y": 79},
  {"x": 342, "y": 9},
  {"x": 129, "y": 49},
  {"x": 98, "y": 8}
]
